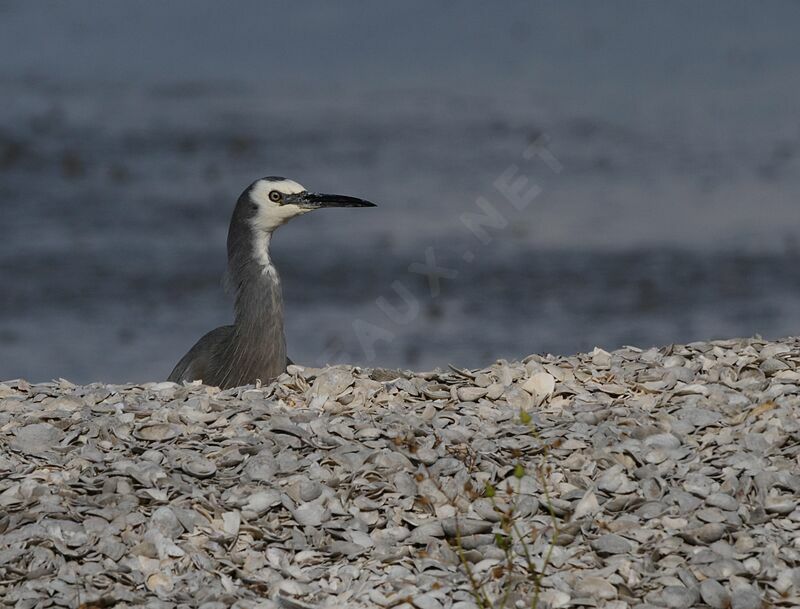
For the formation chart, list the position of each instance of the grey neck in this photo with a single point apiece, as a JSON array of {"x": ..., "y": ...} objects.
[{"x": 257, "y": 348}]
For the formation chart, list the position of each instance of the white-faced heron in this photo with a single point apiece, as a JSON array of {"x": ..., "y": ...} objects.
[{"x": 254, "y": 347}]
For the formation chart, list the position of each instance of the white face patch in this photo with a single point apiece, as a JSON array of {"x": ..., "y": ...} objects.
[{"x": 271, "y": 214}]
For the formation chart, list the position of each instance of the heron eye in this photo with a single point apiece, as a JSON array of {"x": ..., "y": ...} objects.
[{"x": 275, "y": 196}]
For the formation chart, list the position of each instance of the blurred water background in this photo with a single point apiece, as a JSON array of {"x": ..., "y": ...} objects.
[{"x": 128, "y": 130}]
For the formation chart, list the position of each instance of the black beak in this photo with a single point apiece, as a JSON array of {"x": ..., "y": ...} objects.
[{"x": 313, "y": 200}]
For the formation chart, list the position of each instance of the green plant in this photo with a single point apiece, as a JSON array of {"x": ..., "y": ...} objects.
[{"x": 510, "y": 532}]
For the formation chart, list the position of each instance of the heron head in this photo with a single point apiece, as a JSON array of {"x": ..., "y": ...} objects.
[{"x": 275, "y": 201}]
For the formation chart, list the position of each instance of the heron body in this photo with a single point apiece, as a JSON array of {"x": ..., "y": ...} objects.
[{"x": 254, "y": 347}]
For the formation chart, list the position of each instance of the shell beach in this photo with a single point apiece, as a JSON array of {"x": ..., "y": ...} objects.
[{"x": 664, "y": 477}]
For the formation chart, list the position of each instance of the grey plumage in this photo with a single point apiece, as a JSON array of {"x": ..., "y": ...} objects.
[{"x": 254, "y": 347}]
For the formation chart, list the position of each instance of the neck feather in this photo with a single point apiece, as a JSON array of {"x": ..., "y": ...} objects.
[
  {"x": 258, "y": 326},
  {"x": 261, "y": 240}
]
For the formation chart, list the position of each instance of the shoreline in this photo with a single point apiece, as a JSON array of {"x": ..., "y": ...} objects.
[{"x": 637, "y": 478}]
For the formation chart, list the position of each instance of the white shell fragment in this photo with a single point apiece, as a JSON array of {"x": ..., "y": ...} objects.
[
  {"x": 647, "y": 478},
  {"x": 541, "y": 386}
]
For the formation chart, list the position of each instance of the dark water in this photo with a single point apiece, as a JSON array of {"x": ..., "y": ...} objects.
[{"x": 668, "y": 206}]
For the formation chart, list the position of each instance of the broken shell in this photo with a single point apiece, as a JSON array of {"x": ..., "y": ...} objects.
[
  {"x": 199, "y": 467},
  {"x": 158, "y": 432},
  {"x": 541, "y": 386}
]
